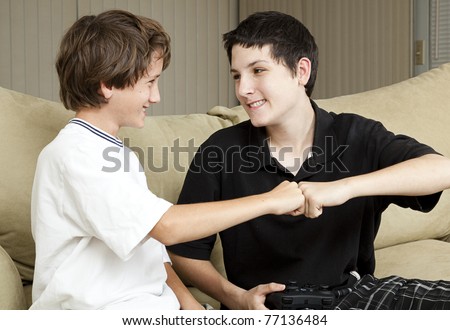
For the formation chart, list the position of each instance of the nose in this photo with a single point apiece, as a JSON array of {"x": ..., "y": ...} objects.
[
  {"x": 244, "y": 86},
  {"x": 154, "y": 96}
]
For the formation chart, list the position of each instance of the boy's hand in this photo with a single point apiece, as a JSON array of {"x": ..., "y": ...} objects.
[
  {"x": 255, "y": 298},
  {"x": 287, "y": 198},
  {"x": 318, "y": 195}
]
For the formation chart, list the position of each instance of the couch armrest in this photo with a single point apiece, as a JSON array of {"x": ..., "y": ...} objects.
[{"x": 11, "y": 289}]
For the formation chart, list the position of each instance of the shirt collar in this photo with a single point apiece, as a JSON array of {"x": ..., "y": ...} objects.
[
  {"x": 100, "y": 133},
  {"x": 324, "y": 139},
  {"x": 324, "y": 135}
]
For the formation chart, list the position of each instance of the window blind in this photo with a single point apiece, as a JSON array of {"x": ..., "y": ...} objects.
[{"x": 439, "y": 32}]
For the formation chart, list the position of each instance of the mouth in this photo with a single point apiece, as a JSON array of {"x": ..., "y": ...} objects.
[{"x": 256, "y": 104}]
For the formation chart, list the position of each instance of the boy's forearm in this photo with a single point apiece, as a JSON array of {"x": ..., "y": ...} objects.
[
  {"x": 203, "y": 275},
  {"x": 182, "y": 223},
  {"x": 415, "y": 177},
  {"x": 184, "y": 296}
]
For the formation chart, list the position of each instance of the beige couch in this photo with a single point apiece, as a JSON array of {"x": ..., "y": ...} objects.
[{"x": 409, "y": 243}]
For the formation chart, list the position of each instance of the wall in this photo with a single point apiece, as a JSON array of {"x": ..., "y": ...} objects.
[
  {"x": 29, "y": 37},
  {"x": 197, "y": 79},
  {"x": 363, "y": 44}
]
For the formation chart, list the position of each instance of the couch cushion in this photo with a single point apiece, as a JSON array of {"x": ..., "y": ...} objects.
[
  {"x": 11, "y": 290},
  {"x": 27, "y": 124},
  {"x": 426, "y": 259}
]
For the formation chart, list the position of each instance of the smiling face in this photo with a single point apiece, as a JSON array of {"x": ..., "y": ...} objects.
[
  {"x": 265, "y": 88},
  {"x": 127, "y": 106}
]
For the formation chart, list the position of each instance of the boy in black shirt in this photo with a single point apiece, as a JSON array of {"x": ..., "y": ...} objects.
[{"x": 349, "y": 169}]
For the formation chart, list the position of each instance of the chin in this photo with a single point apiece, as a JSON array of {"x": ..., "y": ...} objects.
[
  {"x": 140, "y": 124},
  {"x": 257, "y": 121}
]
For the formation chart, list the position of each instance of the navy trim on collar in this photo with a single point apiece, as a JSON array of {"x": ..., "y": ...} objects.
[{"x": 96, "y": 131}]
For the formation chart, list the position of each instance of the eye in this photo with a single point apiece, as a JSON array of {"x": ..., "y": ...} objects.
[
  {"x": 258, "y": 70},
  {"x": 236, "y": 76},
  {"x": 153, "y": 80}
]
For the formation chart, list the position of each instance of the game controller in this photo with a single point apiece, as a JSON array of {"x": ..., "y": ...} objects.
[{"x": 302, "y": 297}]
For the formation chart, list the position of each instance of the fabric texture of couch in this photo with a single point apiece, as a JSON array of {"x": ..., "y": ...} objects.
[{"x": 409, "y": 244}]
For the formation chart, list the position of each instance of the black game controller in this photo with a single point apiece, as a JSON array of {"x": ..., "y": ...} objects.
[{"x": 301, "y": 297}]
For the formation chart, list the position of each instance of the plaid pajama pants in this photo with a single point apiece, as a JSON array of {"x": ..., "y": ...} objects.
[{"x": 397, "y": 293}]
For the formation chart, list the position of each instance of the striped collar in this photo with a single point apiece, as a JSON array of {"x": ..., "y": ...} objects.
[{"x": 97, "y": 131}]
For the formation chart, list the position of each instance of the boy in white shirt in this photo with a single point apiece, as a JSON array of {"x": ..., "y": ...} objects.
[{"x": 99, "y": 234}]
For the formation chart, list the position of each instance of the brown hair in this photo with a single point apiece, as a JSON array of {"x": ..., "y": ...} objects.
[{"x": 114, "y": 47}]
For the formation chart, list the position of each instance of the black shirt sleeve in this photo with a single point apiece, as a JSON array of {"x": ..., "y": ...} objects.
[
  {"x": 394, "y": 149},
  {"x": 201, "y": 185}
]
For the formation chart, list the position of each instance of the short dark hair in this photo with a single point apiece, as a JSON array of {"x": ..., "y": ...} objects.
[
  {"x": 289, "y": 39},
  {"x": 114, "y": 47}
]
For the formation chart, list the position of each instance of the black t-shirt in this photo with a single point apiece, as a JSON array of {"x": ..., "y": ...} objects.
[{"x": 236, "y": 162}]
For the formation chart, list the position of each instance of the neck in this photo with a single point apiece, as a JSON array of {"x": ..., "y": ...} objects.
[
  {"x": 96, "y": 117},
  {"x": 296, "y": 132},
  {"x": 291, "y": 142}
]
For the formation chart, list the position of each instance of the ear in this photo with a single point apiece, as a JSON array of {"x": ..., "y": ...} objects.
[
  {"x": 303, "y": 71},
  {"x": 105, "y": 91}
]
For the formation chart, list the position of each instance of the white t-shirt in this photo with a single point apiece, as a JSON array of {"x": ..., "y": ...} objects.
[{"x": 91, "y": 212}]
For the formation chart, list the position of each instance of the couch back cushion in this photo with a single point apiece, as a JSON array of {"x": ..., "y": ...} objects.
[
  {"x": 27, "y": 124},
  {"x": 166, "y": 146}
]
